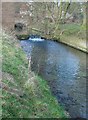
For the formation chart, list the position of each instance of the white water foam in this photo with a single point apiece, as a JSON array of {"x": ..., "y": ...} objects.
[{"x": 36, "y": 39}]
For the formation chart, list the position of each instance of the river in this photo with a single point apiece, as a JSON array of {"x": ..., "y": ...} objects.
[{"x": 64, "y": 68}]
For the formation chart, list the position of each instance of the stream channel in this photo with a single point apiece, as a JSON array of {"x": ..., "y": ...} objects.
[{"x": 64, "y": 68}]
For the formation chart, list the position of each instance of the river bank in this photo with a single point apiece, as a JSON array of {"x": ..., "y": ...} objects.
[
  {"x": 74, "y": 42},
  {"x": 24, "y": 95},
  {"x": 74, "y": 35},
  {"x": 71, "y": 34}
]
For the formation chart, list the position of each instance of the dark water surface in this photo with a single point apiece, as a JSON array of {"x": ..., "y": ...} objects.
[{"x": 65, "y": 70}]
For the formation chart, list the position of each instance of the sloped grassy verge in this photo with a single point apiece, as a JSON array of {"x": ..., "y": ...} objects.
[
  {"x": 24, "y": 95},
  {"x": 74, "y": 35}
]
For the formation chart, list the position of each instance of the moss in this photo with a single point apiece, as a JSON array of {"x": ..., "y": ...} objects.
[{"x": 22, "y": 37}]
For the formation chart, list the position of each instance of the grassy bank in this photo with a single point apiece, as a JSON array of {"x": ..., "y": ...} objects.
[
  {"x": 74, "y": 35},
  {"x": 24, "y": 95}
]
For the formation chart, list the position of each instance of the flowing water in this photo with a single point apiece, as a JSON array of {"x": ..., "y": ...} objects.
[{"x": 64, "y": 68}]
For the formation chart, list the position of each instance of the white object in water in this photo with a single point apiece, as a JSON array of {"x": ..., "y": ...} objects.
[{"x": 36, "y": 39}]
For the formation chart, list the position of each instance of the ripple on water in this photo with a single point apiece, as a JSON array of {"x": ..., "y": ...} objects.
[{"x": 64, "y": 69}]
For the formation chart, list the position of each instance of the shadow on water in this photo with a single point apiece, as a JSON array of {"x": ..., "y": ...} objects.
[{"x": 65, "y": 70}]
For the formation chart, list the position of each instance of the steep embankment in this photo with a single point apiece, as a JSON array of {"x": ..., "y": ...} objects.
[{"x": 24, "y": 95}]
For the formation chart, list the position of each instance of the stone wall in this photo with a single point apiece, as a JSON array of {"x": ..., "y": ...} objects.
[
  {"x": 11, "y": 15},
  {"x": 8, "y": 15}
]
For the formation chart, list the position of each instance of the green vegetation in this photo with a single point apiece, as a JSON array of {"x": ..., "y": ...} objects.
[
  {"x": 22, "y": 37},
  {"x": 72, "y": 29},
  {"x": 62, "y": 22},
  {"x": 73, "y": 35},
  {"x": 24, "y": 95}
]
